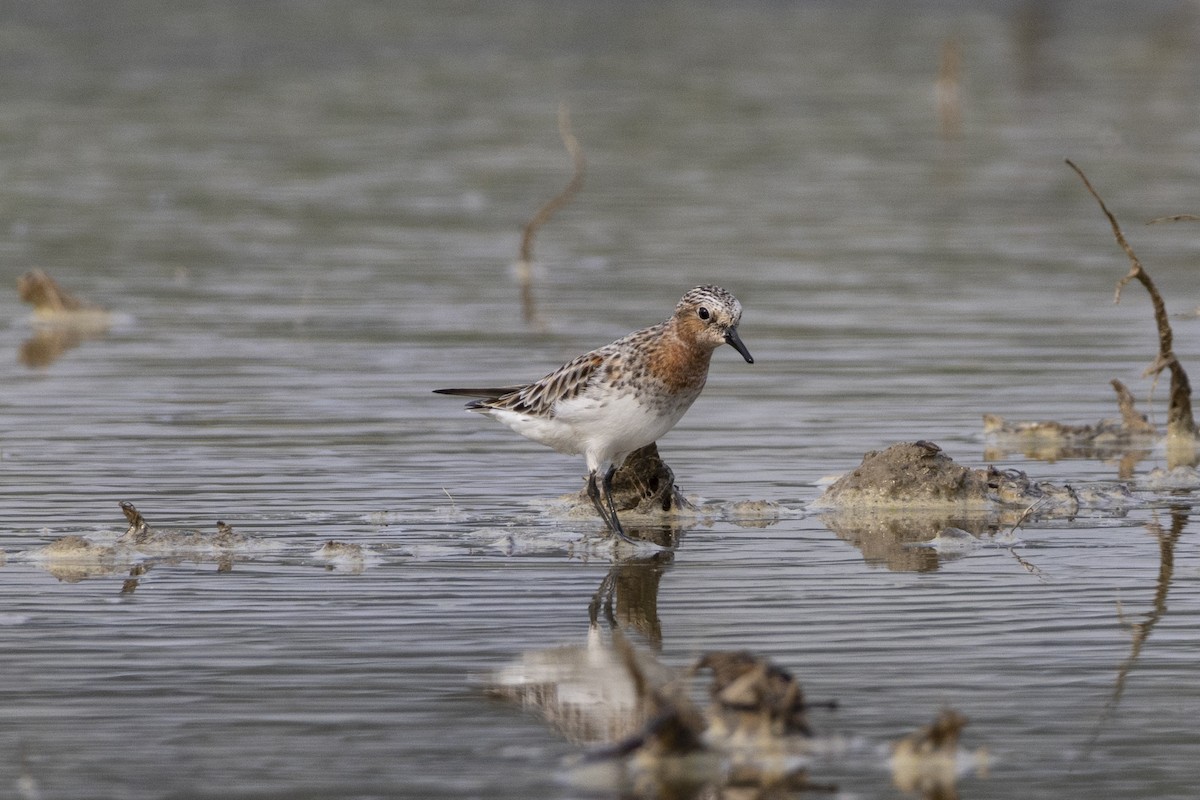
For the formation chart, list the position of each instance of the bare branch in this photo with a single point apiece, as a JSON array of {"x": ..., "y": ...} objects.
[
  {"x": 1180, "y": 423},
  {"x": 1135, "y": 269},
  {"x": 548, "y": 209}
]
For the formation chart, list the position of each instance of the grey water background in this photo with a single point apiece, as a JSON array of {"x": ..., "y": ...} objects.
[{"x": 309, "y": 213}]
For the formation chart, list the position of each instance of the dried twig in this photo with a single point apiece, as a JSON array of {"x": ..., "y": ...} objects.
[
  {"x": 1029, "y": 566},
  {"x": 1181, "y": 426},
  {"x": 1025, "y": 515},
  {"x": 543, "y": 214}
]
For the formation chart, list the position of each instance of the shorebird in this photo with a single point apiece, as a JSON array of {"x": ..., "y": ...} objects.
[{"x": 613, "y": 400}]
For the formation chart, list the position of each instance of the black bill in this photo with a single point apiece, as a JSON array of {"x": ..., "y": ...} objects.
[{"x": 733, "y": 340}]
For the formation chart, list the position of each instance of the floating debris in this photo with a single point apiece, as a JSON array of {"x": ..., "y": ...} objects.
[
  {"x": 1176, "y": 479},
  {"x": 752, "y": 513},
  {"x": 175, "y": 541},
  {"x": 1132, "y": 438},
  {"x": 754, "y": 736},
  {"x": 336, "y": 549},
  {"x": 930, "y": 761},
  {"x": 53, "y": 305},
  {"x": 1133, "y": 429},
  {"x": 60, "y": 319},
  {"x": 948, "y": 89},
  {"x": 73, "y": 558},
  {"x": 344, "y": 556}
]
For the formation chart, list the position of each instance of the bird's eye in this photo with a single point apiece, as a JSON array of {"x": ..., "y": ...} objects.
[{"x": 703, "y": 312}]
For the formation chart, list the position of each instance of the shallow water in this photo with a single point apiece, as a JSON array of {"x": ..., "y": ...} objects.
[{"x": 308, "y": 214}]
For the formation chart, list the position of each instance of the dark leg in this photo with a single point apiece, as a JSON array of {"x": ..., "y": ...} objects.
[
  {"x": 605, "y": 508},
  {"x": 593, "y": 492},
  {"x": 612, "y": 509}
]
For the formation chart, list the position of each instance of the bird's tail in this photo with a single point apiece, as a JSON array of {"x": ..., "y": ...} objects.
[{"x": 487, "y": 394}]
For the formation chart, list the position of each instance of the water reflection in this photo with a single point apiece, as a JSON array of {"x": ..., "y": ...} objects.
[
  {"x": 1033, "y": 26},
  {"x": 913, "y": 542},
  {"x": 1141, "y": 629},
  {"x": 48, "y": 344},
  {"x": 585, "y": 692},
  {"x": 591, "y": 693},
  {"x": 649, "y": 739},
  {"x": 628, "y": 595},
  {"x": 645, "y": 737}
]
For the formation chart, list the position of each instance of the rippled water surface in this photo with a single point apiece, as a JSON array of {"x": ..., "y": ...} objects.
[{"x": 306, "y": 215}]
